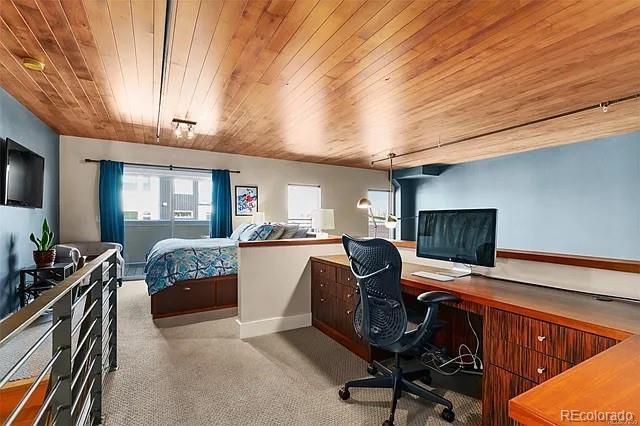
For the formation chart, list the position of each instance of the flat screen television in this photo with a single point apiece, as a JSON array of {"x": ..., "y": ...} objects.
[
  {"x": 460, "y": 236},
  {"x": 22, "y": 180}
]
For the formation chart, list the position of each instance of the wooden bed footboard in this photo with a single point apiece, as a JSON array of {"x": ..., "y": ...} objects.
[{"x": 204, "y": 294}]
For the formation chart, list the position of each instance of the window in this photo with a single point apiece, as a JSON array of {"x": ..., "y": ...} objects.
[
  {"x": 302, "y": 200},
  {"x": 156, "y": 195},
  {"x": 380, "y": 208}
]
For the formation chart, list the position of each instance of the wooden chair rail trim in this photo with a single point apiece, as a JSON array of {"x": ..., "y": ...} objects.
[
  {"x": 611, "y": 264},
  {"x": 291, "y": 242}
]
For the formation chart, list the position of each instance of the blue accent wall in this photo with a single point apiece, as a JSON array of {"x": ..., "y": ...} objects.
[
  {"x": 16, "y": 223},
  {"x": 581, "y": 198}
]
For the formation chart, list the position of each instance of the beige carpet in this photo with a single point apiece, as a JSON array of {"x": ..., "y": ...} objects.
[{"x": 193, "y": 370}]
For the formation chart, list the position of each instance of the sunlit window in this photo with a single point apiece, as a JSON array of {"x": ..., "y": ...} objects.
[
  {"x": 302, "y": 200},
  {"x": 155, "y": 195}
]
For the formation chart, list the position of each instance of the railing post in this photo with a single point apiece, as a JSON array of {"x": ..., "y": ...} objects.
[
  {"x": 96, "y": 352},
  {"x": 61, "y": 370},
  {"x": 113, "y": 305}
]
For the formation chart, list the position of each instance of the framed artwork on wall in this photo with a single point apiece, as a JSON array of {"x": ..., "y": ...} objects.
[{"x": 246, "y": 200}]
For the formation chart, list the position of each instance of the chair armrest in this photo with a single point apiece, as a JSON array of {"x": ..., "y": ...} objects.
[{"x": 438, "y": 297}]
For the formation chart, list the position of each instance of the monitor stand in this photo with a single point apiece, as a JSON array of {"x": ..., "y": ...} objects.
[{"x": 458, "y": 270}]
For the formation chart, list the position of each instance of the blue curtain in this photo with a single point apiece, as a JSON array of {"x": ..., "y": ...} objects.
[
  {"x": 220, "y": 204},
  {"x": 111, "y": 213}
]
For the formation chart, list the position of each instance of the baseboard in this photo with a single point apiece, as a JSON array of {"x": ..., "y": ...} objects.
[{"x": 272, "y": 325}]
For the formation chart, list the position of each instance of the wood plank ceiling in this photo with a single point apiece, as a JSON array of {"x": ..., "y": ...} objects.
[{"x": 329, "y": 81}]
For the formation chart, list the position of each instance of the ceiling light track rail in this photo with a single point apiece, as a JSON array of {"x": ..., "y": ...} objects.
[
  {"x": 165, "y": 57},
  {"x": 162, "y": 166},
  {"x": 604, "y": 106}
]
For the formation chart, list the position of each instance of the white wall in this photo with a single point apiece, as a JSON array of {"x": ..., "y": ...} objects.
[
  {"x": 341, "y": 186},
  {"x": 274, "y": 287}
]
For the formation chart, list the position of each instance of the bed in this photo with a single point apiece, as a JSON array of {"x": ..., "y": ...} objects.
[
  {"x": 191, "y": 275},
  {"x": 195, "y": 275}
]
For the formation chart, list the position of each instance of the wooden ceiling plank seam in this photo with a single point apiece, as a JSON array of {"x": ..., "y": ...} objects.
[
  {"x": 296, "y": 17},
  {"x": 101, "y": 28},
  {"x": 228, "y": 21},
  {"x": 341, "y": 21},
  {"x": 254, "y": 58},
  {"x": 124, "y": 43},
  {"x": 415, "y": 25},
  {"x": 421, "y": 6},
  {"x": 297, "y": 89},
  {"x": 142, "y": 16},
  {"x": 165, "y": 134},
  {"x": 261, "y": 72},
  {"x": 76, "y": 16},
  {"x": 386, "y": 90},
  {"x": 502, "y": 81},
  {"x": 411, "y": 90},
  {"x": 41, "y": 33},
  {"x": 241, "y": 36},
  {"x": 320, "y": 13},
  {"x": 52, "y": 11},
  {"x": 195, "y": 65},
  {"x": 387, "y": 57}
]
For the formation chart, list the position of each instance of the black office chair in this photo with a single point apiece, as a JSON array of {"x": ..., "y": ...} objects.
[{"x": 381, "y": 320}]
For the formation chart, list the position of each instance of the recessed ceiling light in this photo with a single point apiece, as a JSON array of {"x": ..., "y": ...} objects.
[{"x": 32, "y": 64}]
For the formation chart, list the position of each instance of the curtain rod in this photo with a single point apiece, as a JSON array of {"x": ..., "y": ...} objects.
[{"x": 162, "y": 166}]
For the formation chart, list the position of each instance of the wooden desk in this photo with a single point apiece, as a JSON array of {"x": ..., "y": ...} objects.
[
  {"x": 609, "y": 382},
  {"x": 531, "y": 333}
]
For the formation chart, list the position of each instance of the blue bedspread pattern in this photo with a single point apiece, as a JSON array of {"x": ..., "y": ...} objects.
[{"x": 178, "y": 259}]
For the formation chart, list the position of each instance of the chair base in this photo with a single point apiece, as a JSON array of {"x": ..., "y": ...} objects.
[{"x": 399, "y": 382}]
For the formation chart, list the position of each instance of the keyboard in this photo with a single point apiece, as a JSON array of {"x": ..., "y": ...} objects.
[{"x": 432, "y": 276}]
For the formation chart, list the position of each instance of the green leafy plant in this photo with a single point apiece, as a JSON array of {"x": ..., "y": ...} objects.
[{"x": 45, "y": 242}]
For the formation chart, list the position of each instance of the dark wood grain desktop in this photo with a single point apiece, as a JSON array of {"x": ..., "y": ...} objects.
[{"x": 530, "y": 333}]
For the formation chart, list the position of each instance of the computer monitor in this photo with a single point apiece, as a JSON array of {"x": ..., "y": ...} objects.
[{"x": 465, "y": 237}]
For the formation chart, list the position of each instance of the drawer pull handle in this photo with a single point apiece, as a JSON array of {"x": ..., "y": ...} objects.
[
  {"x": 348, "y": 278},
  {"x": 186, "y": 288},
  {"x": 321, "y": 284},
  {"x": 322, "y": 300},
  {"x": 541, "y": 370},
  {"x": 321, "y": 270},
  {"x": 542, "y": 338},
  {"x": 348, "y": 311},
  {"x": 349, "y": 295}
]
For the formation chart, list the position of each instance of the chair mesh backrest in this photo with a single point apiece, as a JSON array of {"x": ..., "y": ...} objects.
[{"x": 380, "y": 317}]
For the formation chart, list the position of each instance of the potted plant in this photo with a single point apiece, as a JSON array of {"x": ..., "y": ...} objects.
[{"x": 44, "y": 255}]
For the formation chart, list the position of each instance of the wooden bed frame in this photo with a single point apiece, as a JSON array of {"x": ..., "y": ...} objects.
[{"x": 205, "y": 294}]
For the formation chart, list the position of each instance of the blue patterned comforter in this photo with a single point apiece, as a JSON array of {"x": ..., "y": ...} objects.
[{"x": 178, "y": 259}]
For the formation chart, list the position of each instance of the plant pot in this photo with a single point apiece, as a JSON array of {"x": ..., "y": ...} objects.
[{"x": 44, "y": 258}]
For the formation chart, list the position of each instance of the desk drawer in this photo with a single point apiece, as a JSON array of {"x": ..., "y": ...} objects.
[
  {"x": 323, "y": 278},
  {"x": 348, "y": 294},
  {"x": 561, "y": 342},
  {"x": 346, "y": 277},
  {"x": 524, "y": 362}
]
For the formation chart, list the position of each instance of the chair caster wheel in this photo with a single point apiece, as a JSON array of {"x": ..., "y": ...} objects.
[
  {"x": 372, "y": 369},
  {"x": 344, "y": 394},
  {"x": 387, "y": 423},
  {"x": 448, "y": 415}
]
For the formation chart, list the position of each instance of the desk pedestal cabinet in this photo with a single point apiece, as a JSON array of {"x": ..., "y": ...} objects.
[{"x": 519, "y": 352}]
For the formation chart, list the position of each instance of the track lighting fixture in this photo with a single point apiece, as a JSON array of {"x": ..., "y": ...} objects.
[{"x": 182, "y": 126}]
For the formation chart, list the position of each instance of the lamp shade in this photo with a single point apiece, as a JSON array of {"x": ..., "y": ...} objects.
[
  {"x": 258, "y": 218},
  {"x": 391, "y": 222},
  {"x": 322, "y": 219},
  {"x": 363, "y": 203}
]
